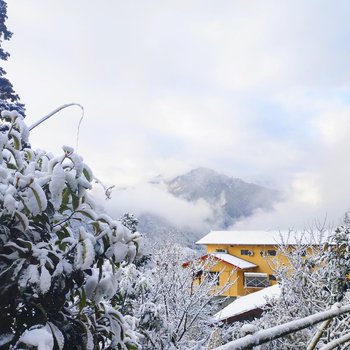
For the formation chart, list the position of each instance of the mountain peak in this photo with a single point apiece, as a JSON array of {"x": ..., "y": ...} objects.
[
  {"x": 232, "y": 197},
  {"x": 227, "y": 199}
]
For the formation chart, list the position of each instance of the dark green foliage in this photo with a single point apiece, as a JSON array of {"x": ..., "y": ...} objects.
[
  {"x": 57, "y": 269},
  {"x": 9, "y": 100}
]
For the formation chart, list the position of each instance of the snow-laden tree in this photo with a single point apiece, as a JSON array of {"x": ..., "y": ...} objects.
[
  {"x": 8, "y": 97},
  {"x": 60, "y": 261},
  {"x": 312, "y": 280},
  {"x": 174, "y": 304},
  {"x": 130, "y": 221}
]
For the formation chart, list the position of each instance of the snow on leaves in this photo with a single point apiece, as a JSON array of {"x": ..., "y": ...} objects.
[{"x": 59, "y": 259}]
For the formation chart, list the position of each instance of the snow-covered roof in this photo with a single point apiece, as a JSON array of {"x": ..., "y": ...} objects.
[
  {"x": 248, "y": 302},
  {"x": 234, "y": 260},
  {"x": 259, "y": 237}
]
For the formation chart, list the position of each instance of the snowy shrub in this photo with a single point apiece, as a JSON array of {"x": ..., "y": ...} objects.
[
  {"x": 173, "y": 305},
  {"x": 60, "y": 261}
]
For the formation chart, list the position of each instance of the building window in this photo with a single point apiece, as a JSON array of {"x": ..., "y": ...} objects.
[
  {"x": 221, "y": 250},
  {"x": 215, "y": 276},
  {"x": 270, "y": 252},
  {"x": 247, "y": 252},
  {"x": 256, "y": 280}
]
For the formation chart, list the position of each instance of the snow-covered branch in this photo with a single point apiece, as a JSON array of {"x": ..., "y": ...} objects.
[{"x": 267, "y": 335}]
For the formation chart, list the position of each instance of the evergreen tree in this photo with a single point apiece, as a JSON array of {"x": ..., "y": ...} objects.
[
  {"x": 9, "y": 100},
  {"x": 129, "y": 221}
]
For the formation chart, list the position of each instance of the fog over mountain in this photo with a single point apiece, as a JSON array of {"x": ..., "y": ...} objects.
[
  {"x": 188, "y": 206},
  {"x": 228, "y": 199}
]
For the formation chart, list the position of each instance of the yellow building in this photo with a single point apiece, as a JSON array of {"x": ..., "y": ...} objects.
[{"x": 249, "y": 254}]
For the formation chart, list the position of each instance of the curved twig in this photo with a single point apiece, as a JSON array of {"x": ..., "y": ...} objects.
[{"x": 47, "y": 116}]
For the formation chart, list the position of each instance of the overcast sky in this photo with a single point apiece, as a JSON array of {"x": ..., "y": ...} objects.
[{"x": 253, "y": 89}]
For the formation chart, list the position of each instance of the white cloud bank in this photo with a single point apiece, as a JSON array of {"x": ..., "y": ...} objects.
[
  {"x": 323, "y": 192},
  {"x": 151, "y": 199}
]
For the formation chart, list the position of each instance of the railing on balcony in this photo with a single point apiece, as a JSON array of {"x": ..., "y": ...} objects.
[{"x": 256, "y": 280}]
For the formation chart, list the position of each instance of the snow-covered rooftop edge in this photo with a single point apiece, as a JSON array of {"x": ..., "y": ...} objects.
[
  {"x": 263, "y": 238},
  {"x": 248, "y": 302},
  {"x": 234, "y": 260}
]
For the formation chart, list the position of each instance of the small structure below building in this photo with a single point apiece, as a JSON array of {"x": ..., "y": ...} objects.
[{"x": 249, "y": 306}]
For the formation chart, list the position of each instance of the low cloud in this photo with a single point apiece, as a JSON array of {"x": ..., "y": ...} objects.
[
  {"x": 321, "y": 192},
  {"x": 150, "y": 199}
]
